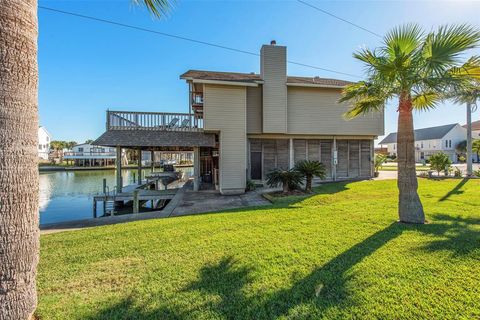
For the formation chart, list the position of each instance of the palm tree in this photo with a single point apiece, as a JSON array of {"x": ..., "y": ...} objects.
[
  {"x": 19, "y": 245},
  {"x": 416, "y": 68},
  {"x": 310, "y": 169},
  {"x": 289, "y": 179},
  {"x": 468, "y": 95}
]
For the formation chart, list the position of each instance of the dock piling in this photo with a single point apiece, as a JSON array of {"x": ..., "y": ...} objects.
[{"x": 136, "y": 204}]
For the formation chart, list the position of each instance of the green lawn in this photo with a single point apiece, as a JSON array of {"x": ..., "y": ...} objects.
[{"x": 335, "y": 255}]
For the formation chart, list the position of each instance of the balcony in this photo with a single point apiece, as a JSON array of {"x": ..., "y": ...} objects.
[
  {"x": 160, "y": 121},
  {"x": 89, "y": 155}
]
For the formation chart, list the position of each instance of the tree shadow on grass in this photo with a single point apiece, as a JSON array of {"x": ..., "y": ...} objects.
[
  {"x": 455, "y": 191},
  {"x": 458, "y": 235},
  {"x": 325, "y": 287}
]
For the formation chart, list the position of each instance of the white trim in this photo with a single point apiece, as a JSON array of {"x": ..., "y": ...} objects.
[
  {"x": 230, "y": 83},
  {"x": 312, "y": 85}
]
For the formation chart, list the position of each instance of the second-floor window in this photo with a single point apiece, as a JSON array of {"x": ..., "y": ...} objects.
[
  {"x": 446, "y": 143},
  {"x": 80, "y": 149}
]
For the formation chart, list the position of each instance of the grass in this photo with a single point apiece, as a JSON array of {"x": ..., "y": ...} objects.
[{"x": 338, "y": 254}]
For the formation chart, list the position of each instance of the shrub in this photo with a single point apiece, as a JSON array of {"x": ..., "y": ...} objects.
[
  {"x": 440, "y": 162},
  {"x": 250, "y": 186},
  {"x": 310, "y": 169},
  {"x": 476, "y": 173},
  {"x": 457, "y": 173},
  {"x": 379, "y": 160},
  {"x": 289, "y": 179}
]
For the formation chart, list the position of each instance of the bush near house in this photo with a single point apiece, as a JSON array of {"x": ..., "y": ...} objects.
[
  {"x": 440, "y": 162},
  {"x": 310, "y": 169},
  {"x": 336, "y": 254},
  {"x": 290, "y": 179}
]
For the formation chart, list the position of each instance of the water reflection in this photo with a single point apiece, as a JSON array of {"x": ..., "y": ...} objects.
[{"x": 67, "y": 195}]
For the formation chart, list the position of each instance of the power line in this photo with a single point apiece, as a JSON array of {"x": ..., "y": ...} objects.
[
  {"x": 340, "y": 18},
  {"x": 124, "y": 25}
]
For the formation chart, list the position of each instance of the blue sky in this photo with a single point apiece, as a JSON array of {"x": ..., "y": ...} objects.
[{"x": 87, "y": 67}]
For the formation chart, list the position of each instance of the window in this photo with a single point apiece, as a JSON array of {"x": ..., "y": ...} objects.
[
  {"x": 394, "y": 146},
  {"x": 446, "y": 143},
  {"x": 80, "y": 149},
  {"x": 449, "y": 143},
  {"x": 40, "y": 147},
  {"x": 48, "y": 139},
  {"x": 422, "y": 145}
]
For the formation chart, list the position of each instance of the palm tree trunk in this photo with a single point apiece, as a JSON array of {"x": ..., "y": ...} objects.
[
  {"x": 410, "y": 209},
  {"x": 286, "y": 188},
  {"x": 19, "y": 236},
  {"x": 469, "y": 140},
  {"x": 308, "y": 183}
]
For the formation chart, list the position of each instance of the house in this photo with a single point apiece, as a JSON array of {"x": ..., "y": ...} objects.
[
  {"x": 86, "y": 154},
  {"x": 429, "y": 141},
  {"x": 475, "y": 129},
  {"x": 44, "y": 139},
  {"x": 243, "y": 125}
]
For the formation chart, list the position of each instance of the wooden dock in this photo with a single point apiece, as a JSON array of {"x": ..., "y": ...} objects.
[{"x": 134, "y": 196}]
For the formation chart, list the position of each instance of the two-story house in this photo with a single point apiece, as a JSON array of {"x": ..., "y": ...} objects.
[
  {"x": 44, "y": 139},
  {"x": 429, "y": 141},
  {"x": 243, "y": 125},
  {"x": 86, "y": 154}
]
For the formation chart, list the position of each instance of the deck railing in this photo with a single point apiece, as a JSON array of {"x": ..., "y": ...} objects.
[
  {"x": 89, "y": 154},
  {"x": 132, "y": 120}
]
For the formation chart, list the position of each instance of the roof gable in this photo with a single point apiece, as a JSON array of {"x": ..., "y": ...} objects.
[
  {"x": 255, "y": 78},
  {"x": 423, "y": 134}
]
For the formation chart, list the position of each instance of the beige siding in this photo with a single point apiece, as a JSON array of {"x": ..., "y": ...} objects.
[
  {"x": 254, "y": 109},
  {"x": 225, "y": 111},
  {"x": 316, "y": 111},
  {"x": 273, "y": 67}
]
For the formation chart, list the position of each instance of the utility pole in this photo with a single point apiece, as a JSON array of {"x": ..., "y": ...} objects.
[{"x": 469, "y": 139}]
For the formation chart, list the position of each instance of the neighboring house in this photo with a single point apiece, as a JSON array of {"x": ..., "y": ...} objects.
[
  {"x": 475, "y": 129},
  {"x": 44, "y": 139},
  {"x": 243, "y": 125},
  {"x": 86, "y": 154},
  {"x": 429, "y": 141}
]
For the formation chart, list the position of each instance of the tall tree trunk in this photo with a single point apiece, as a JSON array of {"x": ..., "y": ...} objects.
[
  {"x": 19, "y": 235},
  {"x": 410, "y": 208},
  {"x": 469, "y": 140}
]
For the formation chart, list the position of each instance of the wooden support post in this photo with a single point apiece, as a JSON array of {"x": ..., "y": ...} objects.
[
  {"x": 196, "y": 168},
  {"x": 104, "y": 187},
  {"x": 334, "y": 159},
  {"x": 118, "y": 164},
  {"x": 134, "y": 181},
  {"x": 152, "y": 161},
  {"x": 94, "y": 208},
  {"x": 291, "y": 160},
  {"x": 136, "y": 205},
  {"x": 139, "y": 165}
]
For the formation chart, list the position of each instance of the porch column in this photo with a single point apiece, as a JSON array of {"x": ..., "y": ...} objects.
[
  {"x": 291, "y": 161},
  {"x": 196, "y": 168},
  {"x": 334, "y": 159},
  {"x": 139, "y": 166},
  {"x": 152, "y": 157},
  {"x": 118, "y": 172}
]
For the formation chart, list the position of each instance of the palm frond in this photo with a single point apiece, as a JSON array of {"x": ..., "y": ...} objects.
[
  {"x": 364, "y": 106},
  {"x": 426, "y": 100},
  {"x": 443, "y": 48},
  {"x": 158, "y": 8},
  {"x": 403, "y": 41}
]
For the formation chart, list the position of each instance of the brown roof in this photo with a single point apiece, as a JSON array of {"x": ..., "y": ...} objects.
[
  {"x": 253, "y": 78},
  {"x": 155, "y": 138},
  {"x": 475, "y": 125}
]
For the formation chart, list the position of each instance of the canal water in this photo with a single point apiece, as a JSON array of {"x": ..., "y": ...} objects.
[{"x": 68, "y": 195}]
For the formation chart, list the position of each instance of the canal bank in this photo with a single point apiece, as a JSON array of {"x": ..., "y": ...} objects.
[{"x": 67, "y": 195}]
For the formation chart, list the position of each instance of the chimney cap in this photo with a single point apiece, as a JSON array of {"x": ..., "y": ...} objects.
[{"x": 273, "y": 42}]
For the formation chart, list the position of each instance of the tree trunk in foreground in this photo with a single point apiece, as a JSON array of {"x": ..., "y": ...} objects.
[
  {"x": 19, "y": 235},
  {"x": 410, "y": 209}
]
